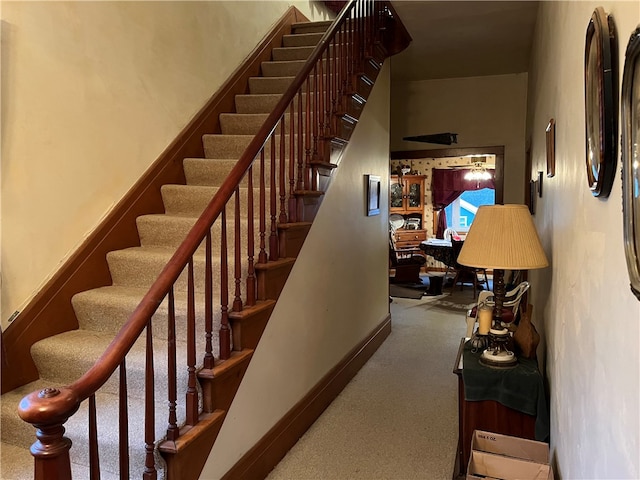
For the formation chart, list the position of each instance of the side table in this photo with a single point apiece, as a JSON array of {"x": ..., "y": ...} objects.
[{"x": 492, "y": 415}]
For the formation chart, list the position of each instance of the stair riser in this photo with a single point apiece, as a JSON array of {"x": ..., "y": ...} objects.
[
  {"x": 289, "y": 68},
  {"x": 301, "y": 40},
  {"x": 282, "y": 54},
  {"x": 263, "y": 103},
  {"x": 275, "y": 85},
  {"x": 313, "y": 27}
]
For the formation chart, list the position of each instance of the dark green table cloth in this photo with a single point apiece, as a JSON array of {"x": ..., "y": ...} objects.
[{"x": 520, "y": 388}]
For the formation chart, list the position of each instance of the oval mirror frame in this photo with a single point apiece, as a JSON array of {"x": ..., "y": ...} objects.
[
  {"x": 630, "y": 101},
  {"x": 600, "y": 103}
]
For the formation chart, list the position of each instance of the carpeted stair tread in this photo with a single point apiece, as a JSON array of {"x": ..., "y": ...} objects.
[
  {"x": 250, "y": 123},
  {"x": 49, "y": 353},
  {"x": 262, "y": 85},
  {"x": 233, "y": 146},
  {"x": 18, "y": 435},
  {"x": 141, "y": 266},
  {"x": 170, "y": 231},
  {"x": 191, "y": 200},
  {"x": 209, "y": 172},
  {"x": 13, "y": 429},
  {"x": 225, "y": 146},
  {"x": 16, "y": 463},
  {"x": 256, "y": 103},
  {"x": 302, "y": 39},
  {"x": 282, "y": 68},
  {"x": 106, "y": 309},
  {"x": 241, "y": 123},
  {"x": 163, "y": 230},
  {"x": 187, "y": 200},
  {"x": 291, "y": 53}
]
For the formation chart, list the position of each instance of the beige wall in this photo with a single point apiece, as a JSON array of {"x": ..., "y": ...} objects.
[
  {"x": 92, "y": 93},
  {"x": 483, "y": 111},
  {"x": 337, "y": 293},
  {"x": 582, "y": 301}
]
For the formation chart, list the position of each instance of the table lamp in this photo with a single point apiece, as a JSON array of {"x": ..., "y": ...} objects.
[{"x": 502, "y": 237}]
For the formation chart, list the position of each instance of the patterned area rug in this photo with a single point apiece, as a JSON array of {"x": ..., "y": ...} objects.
[{"x": 456, "y": 301}]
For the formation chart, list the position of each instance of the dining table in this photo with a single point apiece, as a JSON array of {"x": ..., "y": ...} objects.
[{"x": 439, "y": 249}]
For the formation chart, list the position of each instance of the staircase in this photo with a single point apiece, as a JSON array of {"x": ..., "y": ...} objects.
[{"x": 179, "y": 358}]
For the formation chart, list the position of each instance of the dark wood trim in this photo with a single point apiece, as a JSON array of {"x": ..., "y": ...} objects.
[
  {"x": 498, "y": 151},
  {"x": 396, "y": 37},
  {"x": 50, "y": 312},
  {"x": 265, "y": 455}
]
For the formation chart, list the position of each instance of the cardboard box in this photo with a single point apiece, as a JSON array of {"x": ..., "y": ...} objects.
[{"x": 495, "y": 456}]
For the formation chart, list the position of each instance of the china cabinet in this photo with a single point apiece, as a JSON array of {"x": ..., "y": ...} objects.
[{"x": 406, "y": 208}]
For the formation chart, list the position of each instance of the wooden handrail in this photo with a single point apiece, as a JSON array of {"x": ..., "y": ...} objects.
[{"x": 49, "y": 409}]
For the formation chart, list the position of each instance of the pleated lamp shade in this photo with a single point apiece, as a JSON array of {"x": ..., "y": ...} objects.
[{"x": 503, "y": 237}]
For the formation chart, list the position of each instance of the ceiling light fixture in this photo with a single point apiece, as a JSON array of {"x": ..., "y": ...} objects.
[{"x": 477, "y": 173}]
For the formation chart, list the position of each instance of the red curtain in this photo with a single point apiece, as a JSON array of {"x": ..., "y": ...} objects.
[{"x": 447, "y": 186}]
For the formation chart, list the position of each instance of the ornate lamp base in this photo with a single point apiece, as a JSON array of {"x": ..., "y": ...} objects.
[{"x": 498, "y": 355}]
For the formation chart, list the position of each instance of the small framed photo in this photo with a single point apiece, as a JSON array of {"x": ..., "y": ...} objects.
[
  {"x": 533, "y": 186},
  {"x": 540, "y": 184},
  {"x": 373, "y": 194},
  {"x": 551, "y": 148}
]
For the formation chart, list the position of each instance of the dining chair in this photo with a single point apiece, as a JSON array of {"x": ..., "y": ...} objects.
[{"x": 509, "y": 307}]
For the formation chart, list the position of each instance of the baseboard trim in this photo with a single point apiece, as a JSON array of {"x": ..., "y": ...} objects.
[{"x": 270, "y": 449}]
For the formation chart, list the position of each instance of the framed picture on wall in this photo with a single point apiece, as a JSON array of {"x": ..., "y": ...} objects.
[
  {"x": 630, "y": 99},
  {"x": 531, "y": 201},
  {"x": 551, "y": 148},
  {"x": 601, "y": 113},
  {"x": 373, "y": 194}
]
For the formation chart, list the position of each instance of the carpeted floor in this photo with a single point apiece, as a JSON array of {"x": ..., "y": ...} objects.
[
  {"x": 397, "y": 419},
  {"x": 402, "y": 291}
]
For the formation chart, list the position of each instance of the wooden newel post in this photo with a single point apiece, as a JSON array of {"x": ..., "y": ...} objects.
[{"x": 48, "y": 410}]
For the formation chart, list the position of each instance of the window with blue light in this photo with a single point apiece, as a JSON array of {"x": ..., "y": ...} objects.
[{"x": 462, "y": 211}]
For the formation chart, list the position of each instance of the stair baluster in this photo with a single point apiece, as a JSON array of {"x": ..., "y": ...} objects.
[
  {"x": 94, "y": 459},
  {"x": 237, "y": 300},
  {"x": 123, "y": 421},
  {"x": 150, "y": 472},
  {"x": 251, "y": 273},
  {"x": 225, "y": 333}
]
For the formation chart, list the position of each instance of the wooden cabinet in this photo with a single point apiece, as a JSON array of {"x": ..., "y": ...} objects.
[
  {"x": 407, "y": 199},
  {"x": 407, "y": 195},
  {"x": 488, "y": 415},
  {"x": 409, "y": 238}
]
